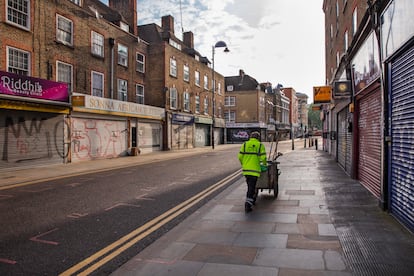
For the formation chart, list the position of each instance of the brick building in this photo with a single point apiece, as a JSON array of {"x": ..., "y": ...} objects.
[
  {"x": 368, "y": 122},
  {"x": 94, "y": 50},
  {"x": 245, "y": 107},
  {"x": 290, "y": 93},
  {"x": 181, "y": 80}
]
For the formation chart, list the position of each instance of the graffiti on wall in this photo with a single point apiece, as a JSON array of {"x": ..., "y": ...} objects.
[
  {"x": 94, "y": 139},
  {"x": 31, "y": 139}
]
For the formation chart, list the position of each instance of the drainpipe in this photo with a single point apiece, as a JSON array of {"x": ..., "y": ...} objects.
[{"x": 111, "y": 69}]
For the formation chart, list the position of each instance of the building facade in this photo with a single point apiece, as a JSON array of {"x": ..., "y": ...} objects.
[
  {"x": 94, "y": 50},
  {"x": 181, "y": 80},
  {"x": 370, "y": 55}
]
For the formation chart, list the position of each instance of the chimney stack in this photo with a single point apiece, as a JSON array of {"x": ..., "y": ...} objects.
[
  {"x": 189, "y": 39},
  {"x": 168, "y": 23},
  {"x": 128, "y": 10}
]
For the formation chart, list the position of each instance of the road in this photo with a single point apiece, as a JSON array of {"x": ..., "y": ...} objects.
[{"x": 94, "y": 223}]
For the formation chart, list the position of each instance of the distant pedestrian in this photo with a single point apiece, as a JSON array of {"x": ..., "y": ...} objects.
[{"x": 252, "y": 158}]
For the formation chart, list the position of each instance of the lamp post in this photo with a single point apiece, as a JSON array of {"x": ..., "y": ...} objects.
[{"x": 219, "y": 44}]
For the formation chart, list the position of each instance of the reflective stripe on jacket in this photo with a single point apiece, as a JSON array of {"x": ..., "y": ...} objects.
[{"x": 251, "y": 154}]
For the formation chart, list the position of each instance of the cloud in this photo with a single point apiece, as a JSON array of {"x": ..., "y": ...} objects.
[{"x": 281, "y": 41}]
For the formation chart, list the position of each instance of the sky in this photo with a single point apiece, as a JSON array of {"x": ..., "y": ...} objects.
[{"x": 276, "y": 41}]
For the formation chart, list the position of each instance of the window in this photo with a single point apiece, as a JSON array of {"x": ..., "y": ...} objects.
[
  {"x": 18, "y": 12},
  {"x": 140, "y": 63},
  {"x": 122, "y": 90},
  {"x": 205, "y": 82},
  {"x": 197, "y": 78},
  {"x": 230, "y": 116},
  {"x": 173, "y": 98},
  {"x": 206, "y": 105},
  {"x": 124, "y": 26},
  {"x": 230, "y": 101},
  {"x": 64, "y": 74},
  {"x": 346, "y": 41},
  {"x": 97, "y": 47},
  {"x": 219, "y": 88},
  {"x": 186, "y": 101},
  {"x": 139, "y": 91},
  {"x": 186, "y": 71},
  {"x": 18, "y": 61},
  {"x": 175, "y": 44},
  {"x": 230, "y": 88},
  {"x": 122, "y": 55},
  {"x": 197, "y": 104},
  {"x": 64, "y": 30},
  {"x": 219, "y": 111},
  {"x": 97, "y": 86},
  {"x": 173, "y": 67},
  {"x": 337, "y": 59},
  {"x": 77, "y": 2},
  {"x": 354, "y": 21}
]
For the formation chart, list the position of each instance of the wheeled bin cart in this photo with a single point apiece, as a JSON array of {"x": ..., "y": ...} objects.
[{"x": 269, "y": 180}]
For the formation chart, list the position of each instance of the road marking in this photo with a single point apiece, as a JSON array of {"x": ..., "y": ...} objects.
[
  {"x": 36, "y": 238},
  {"x": 108, "y": 253},
  {"x": 121, "y": 204},
  {"x": 77, "y": 215},
  {"x": 7, "y": 261}
]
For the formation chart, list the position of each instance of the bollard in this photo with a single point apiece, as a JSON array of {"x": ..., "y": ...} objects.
[{"x": 316, "y": 144}]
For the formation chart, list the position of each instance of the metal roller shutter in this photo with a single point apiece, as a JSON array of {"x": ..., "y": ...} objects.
[
  {"x": 369, "y": 132},
  {"x": 342, "y": 130},
  {"x": 402, "y": 137}
]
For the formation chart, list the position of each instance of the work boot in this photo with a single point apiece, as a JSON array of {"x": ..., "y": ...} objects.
[{"x": 247, "y": 207}]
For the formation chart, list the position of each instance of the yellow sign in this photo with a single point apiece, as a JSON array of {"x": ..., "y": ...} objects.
[{"x": 322, "y": 94}]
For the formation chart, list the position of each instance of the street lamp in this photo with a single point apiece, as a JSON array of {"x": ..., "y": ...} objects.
[{"x": 219, "y": 44}]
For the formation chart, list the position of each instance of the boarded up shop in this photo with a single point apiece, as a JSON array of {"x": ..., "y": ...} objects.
[
  {"x": 32, "y": 128},
  {"x": 368, "y": 112},
  {"x": 399, "y": 54}
]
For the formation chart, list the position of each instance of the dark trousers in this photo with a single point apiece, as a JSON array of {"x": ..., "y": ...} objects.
[{"x": 251, "y": 189}]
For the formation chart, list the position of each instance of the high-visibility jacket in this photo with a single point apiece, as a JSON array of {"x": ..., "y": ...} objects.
[{"x": 252, "y": 154}]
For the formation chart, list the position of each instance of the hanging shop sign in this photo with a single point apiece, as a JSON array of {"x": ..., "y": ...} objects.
[
  {"x": 181, "y": 119},
  {"x": 322, "y": 94},
  {"x": 342, "y": 89},
  {"x": 33, "y": 88}
]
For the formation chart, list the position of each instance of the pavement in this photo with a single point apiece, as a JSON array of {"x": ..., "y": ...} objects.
[{"x": 322, "y": 223}]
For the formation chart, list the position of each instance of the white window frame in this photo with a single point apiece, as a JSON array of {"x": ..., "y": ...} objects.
[
  {"x": 122, "y": 55},
  {"x": 346, "y": 41},
  {"x": 18, "y": 61},
  {"x": 205, "y": 82},
  {"x": 219, "y": 88},
  {"x": 173, "y": 98},
  {"x": 206, "y": 105},
  {"x": 64, "y": 36},
  {"x": 229, "y": 101},
  {"x": 77, "y": 2},
  {"x": 19, "y": 16},
  {"x": 173, "y": 67},
  {"x": 97, "y": 84},
  {"x": 97, "y": 44},
  {"x": 197, "y": 104},
  {"x": 186, "y": 101},
  {"x": 197, "y": 78},
  {"x": 140, "y": 62},
  {"x": 122, "y": 90},
  {"x": 60, "y": 77},
  {"x": 186, "y": 73},
  {"x": 124, "y": 26},
  {"x": 140, "y": 93},
  {"x": 354, "y": 21},
  {"x": 230, "y": 116}
]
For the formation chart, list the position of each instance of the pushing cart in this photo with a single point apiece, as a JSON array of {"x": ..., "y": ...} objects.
[{"x": 270, "y": 179}]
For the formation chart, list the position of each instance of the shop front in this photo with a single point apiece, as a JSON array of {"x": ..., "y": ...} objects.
[
  {"x": 33, "y": 125},
  {"x": 103, "y": 128},
  {"x": 180, "y": 131},
  {"x": 202, "y": 131}
]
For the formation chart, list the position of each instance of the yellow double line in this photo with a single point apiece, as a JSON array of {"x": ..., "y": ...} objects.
[{"x": 106, "y": 254}]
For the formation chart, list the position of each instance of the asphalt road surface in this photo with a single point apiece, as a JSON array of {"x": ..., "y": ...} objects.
[{"x": 93, "y": 223}]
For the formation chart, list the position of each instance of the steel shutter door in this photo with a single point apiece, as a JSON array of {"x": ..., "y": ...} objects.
[
  {"x": 342, "y": 130},
  {"x": 369, "y": 131},
  {"x": 402, "y": 132}
]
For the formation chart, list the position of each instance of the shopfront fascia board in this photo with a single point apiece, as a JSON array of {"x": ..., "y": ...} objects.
[
  {"x": 98, "y": 105},
  {"x": 33, "y": 106}
]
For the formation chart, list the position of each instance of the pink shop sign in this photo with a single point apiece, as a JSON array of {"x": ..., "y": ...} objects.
[{"x": 23, "y": 86}]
